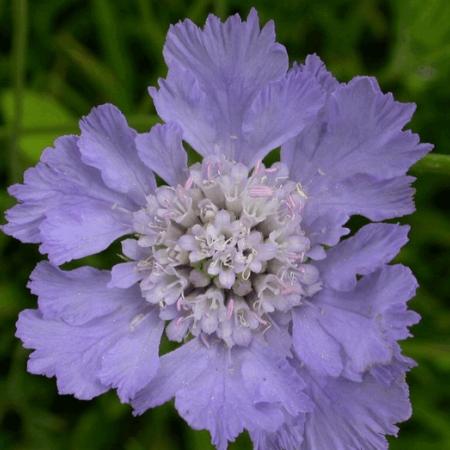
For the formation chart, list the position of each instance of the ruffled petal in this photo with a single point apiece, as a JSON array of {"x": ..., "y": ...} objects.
[
  {"x": 354, "y": 156},
  {"x": 233, "y": 53},
  {"x": 371, "y": 247},
  {"x": 360, "y": 132},
  {"x": 76, "y": 296},
  {"x": 62, "y": 187},
  {"x": 133, "y": 361},
  {"x": 90, "y": 337},
  {"x": 279, "y": 112},
  {"x": 326, "y": 211},
  {"x": 226, "y": 391},
  {"x": 72, "y": 355},
  {"x": 315, "y": 67},
  {"x": 73, "y": 231},
  {"x": 288, "y": 437},
  {"x": 346, "y": 333},
  {"x": 107, "y": 143},
  {"x": 215, "y": 75},
  {"x": 162, "y": 151},
  {"x": 354, "y": 415}
]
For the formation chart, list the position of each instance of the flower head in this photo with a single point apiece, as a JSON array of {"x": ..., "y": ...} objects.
[{"x": 286, "y": 329}]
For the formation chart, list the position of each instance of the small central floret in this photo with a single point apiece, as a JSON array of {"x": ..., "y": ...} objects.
[{"x": 222, "y": 253}]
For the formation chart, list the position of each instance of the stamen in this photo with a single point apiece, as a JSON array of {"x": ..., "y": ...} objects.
[
  {"x": 260, "y": 191},
  {"x": 136, "y": 321},
  {"x": 261, "y": 320},
  {"x": 257, "y": 167},
  {"x": 300, "y": 190},
  {"x": 290, "y": 290},
  {"x": 230, "y": 308},
  {"x": 189, "y": 182}
]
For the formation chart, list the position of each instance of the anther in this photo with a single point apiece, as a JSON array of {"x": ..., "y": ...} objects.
[
  {"x": 230, "y": 308},
  {"x": 300, "y": 190},
  {"x": 260, "y": 191},
  {"x": 189, "y": 182}
]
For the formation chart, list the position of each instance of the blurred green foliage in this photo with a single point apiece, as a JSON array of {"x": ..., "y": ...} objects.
[{"x": 61, "y": 57}]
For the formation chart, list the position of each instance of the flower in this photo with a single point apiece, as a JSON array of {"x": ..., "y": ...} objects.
[{"x": 286, "y": 329}]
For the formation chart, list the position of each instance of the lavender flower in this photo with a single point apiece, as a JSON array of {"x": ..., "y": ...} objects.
[{"x": 286, "y": 329}]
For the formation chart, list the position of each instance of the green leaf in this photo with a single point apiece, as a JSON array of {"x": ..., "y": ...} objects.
[{"x": 41, "y": 113}]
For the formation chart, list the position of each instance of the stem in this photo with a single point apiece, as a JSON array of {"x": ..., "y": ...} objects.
[
  {"x": 434, "y": 163},
  {"x": 20, "y": 10}
]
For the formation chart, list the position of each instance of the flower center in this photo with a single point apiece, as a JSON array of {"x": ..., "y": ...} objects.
[{"x": 225, "y": 251}]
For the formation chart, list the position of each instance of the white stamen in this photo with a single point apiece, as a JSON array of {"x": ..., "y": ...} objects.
[
  {"x": 300, "y": 191},
  {"x": 137, "y": 320}
]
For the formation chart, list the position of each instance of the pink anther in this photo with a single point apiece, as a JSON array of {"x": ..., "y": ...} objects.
[
  {"x": 208, "y": 170},
  {"x": 230, "y": 308},
  {"x": 189, "y": 182},
  {"x": 260, "y": 191},
  {"x": 261, "y": 320},
  {"x": 290, "y": 290},
  {"x": 292, "y": 201}
]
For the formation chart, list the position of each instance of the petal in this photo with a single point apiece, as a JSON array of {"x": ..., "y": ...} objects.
[
  {"x": 355, "y": 154},
  {"x": 133, "y": 361},
  {"x": 161, "y": 150},
  {"x": 392, "y": 288},
  {"x": 72, "y": 355},
  {"x": 59, "y": 179},
  {"x": 73, "y": 231},
  {"x": 225, "y": 53},
  {"x": 176, "y": 369},
  {"x": 315, "y": 347},
  {"x": 226, "y": 390},
  {"x": 92, "y": 348},
  {"x": 124, "y": 275},
  {"x": 360, "y": 131},
  {"x": 354, "y": 415},
  {"x": 214, "y": 76},
  {"x": 76, "y": 296},
  {"x": 371, "y": 247},
  {"x": 359, "y": 194},
  {"x": 288, "y": 437},
  {"x": 181, "y": 100},
  {"x": 278, "y": 113},
  {"x": 315, "y": 67},
  {"x": 107, "y": 143},
  {"x": 345, "y": 333}
]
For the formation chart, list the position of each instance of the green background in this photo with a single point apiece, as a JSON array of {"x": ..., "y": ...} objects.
[{"x": 61, "y": 57}]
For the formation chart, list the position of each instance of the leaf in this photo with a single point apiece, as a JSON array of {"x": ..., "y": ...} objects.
[{"x": 43, "y": 120}]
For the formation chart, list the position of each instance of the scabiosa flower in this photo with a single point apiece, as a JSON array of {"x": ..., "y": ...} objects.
[{"x": 285, "y": 328}]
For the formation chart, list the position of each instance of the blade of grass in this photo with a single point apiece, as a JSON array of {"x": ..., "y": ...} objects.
[
  {"x": 151, "y": 28},
  {"x": 20, "y": 17},
  {"x": 141, "y": 122},
  {"x": 112, "y": 40},
  {"x": 221, "y": 8},
  {"x": 101, "y": 76}
]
